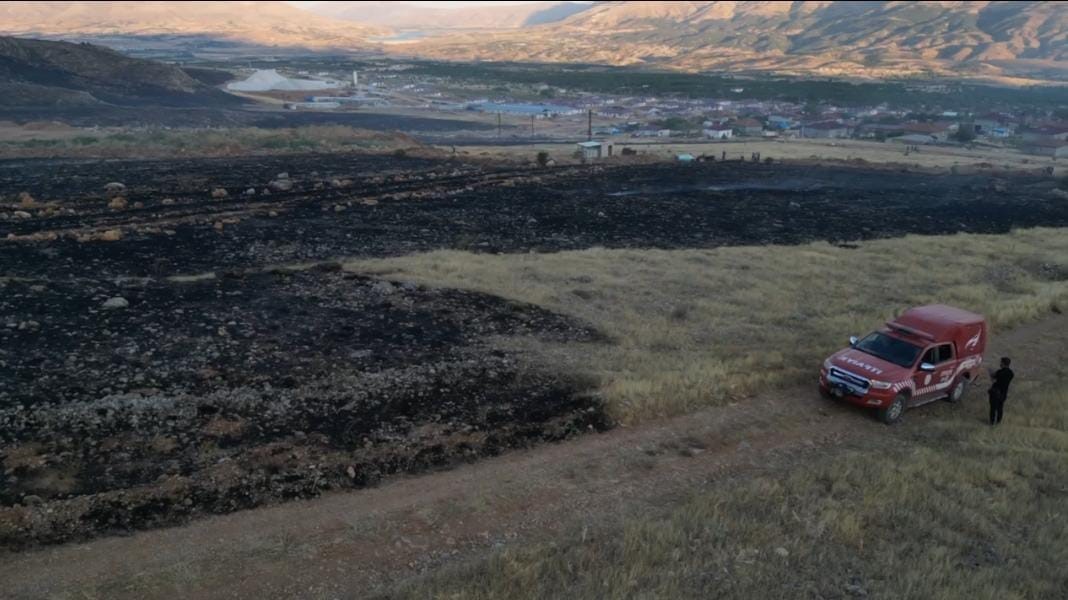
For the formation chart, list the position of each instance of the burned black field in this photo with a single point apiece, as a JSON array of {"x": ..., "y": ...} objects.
[{"x": 158, "y": 360}]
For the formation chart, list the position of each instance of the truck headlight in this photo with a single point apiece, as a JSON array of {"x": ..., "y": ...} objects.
[{"x": 881, "y": 385}]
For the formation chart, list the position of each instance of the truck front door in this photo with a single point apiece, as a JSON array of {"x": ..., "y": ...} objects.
[{"x": 934, "y": 383}]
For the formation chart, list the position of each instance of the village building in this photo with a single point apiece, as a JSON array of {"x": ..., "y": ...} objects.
[
  {"x": 716, "y": 133},
  {"x": 826, "y": 129},
  {"x": 748, "y": 127}
]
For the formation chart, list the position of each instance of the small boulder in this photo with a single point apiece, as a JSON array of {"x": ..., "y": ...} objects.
[
  {"x": 250, "y": 192},
  {"x": 117, "y": 302},
  {"x": 383, "y": 288},
  {"x": 26, "y": 200},
  {"x": 282, "y": 175},
  {"x": 111, "y": 235},
  {"x": 280, "y": 185},
  {"x": 339, "y": 208},
  {"x": 31, "y": 500},
  {"x": 115, "y": 188},
  {"x": 117, "y": 203},
  {"x": 167, "y": 201},
  {"x": 219, "y": 193},
  {"x": 21, "y": 214}
]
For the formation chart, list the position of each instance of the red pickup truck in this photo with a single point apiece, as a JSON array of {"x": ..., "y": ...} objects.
[{"x": 928, "y": 353}]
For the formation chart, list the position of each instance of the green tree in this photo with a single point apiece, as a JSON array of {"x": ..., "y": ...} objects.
[{"x": 965, "y": 133}]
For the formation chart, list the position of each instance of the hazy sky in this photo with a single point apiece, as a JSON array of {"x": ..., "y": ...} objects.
[{"x": 438, "y": 3}]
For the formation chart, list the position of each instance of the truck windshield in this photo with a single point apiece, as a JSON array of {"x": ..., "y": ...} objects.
[{"x": 899, "y": 352}]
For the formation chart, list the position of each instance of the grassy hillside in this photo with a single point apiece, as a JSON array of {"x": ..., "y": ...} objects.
[
  {"x": 948, "y": 509},
  {"x": 39, "y": 73},
  {"x": 943, "y": 507},
  {"x": 695, "y": 328}
]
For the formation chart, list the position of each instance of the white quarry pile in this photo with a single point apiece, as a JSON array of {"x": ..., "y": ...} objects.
[{"x": 269, "y": 79}]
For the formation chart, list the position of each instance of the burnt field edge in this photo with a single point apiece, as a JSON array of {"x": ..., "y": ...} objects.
[{"x": 326, "y": 380}]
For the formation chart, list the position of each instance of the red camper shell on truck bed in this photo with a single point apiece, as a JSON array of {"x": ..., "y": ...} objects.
[{"x": 928, "y": 353}]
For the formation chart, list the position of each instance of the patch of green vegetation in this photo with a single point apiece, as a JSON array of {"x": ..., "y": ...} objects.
[{"x": 622, "y": 80}]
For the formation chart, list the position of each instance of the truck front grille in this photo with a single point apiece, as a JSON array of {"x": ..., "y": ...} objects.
[{"x": 854, "y": 383}]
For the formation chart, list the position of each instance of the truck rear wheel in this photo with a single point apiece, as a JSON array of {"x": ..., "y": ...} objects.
[
  {"x": 958, "y": 390},
  {"x": 891, "y": 413}
]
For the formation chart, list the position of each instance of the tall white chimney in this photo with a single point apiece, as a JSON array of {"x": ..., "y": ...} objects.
[{"x": 355, "y": 79}]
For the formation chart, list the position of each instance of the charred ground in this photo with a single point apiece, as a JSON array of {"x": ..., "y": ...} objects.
[
  {"x": 134, "y": 399},
  {"x": 174, "y": 222}
]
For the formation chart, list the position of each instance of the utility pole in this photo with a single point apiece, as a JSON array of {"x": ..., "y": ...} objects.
[
  {"x": 498, "y": 124},
  {"x": 531, "y": 125},
  {"x": 589, "y": 125}
]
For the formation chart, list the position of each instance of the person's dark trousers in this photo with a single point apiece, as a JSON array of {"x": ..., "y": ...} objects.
[{"x": 997, "y": 406}]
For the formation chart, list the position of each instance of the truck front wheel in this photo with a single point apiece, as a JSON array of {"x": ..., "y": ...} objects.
[
  {"x": 892, "y": 412},
  {"x": 958, "y": 389}
]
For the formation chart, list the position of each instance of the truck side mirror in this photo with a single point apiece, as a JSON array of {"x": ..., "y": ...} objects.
[
  {"x": 853, "y": 340},
  {"x": 927, "y": 367}
]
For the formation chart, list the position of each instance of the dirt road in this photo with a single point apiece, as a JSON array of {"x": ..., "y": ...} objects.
[{"x": 351, "y": 544}]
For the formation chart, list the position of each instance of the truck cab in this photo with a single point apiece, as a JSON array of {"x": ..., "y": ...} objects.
[{"x": 926, "y": 354}]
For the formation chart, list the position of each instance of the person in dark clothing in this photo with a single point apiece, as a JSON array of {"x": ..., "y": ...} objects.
[{"x": 999, "y": 390}]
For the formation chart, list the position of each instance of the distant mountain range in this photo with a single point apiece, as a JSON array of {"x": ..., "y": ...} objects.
[
  {"x": 261, "y": 23},
  {"x": 827, "y": 38},
  {"x": 405, "y": 16},
  {"x": 822, "y": 37}
]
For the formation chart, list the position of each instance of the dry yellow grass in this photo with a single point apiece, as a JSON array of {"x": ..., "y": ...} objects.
[
  {"x": 947, "y": 508},
  {"x": 693, "y": 328},
  {"x": 929, "y": 157}
]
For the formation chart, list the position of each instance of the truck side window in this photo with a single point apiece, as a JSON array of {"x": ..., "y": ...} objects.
[
  {"x": 931, "y": 356},
  {"x": 945, "y": 353}
]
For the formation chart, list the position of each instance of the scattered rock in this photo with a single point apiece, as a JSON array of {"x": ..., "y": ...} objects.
[
  {"x": 218, "y": 226},
  {"x": 31, "y": 500},
  {"x": 794, "y": 205},
  {"x": 280, "y": 185},
  {"x": 117, "y": 203},
  {"x": 339, "y": 208},
  {"x": 21, "y": 214},
  {"x": 167, "y": 201},
  {"x": 219, "y": 193},
  {"x": 250, "y": 192},
  {"x": 115, "y": 188},
  {"x": 282, "y": 175},
  {"x": 384, "y": 288},
  {"x": 116, "y": 302},
  {"x": 1056, "y": 193},
  {"x": 138, "y": 204},
  {"x": 783, "y": 552},
  {"x": 273, "y": 213},
  {"x": 26, "y": 200},
  {"x": 351, "y": 472},
  {"x": 111, "y": 235}
]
